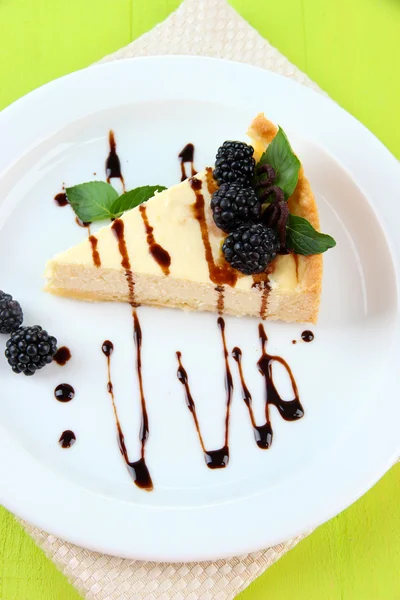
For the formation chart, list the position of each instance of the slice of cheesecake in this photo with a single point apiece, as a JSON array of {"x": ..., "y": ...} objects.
[{"x": 167, "y": 252}]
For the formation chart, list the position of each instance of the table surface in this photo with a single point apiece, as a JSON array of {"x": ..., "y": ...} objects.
[{"x": 352, "y": 49}]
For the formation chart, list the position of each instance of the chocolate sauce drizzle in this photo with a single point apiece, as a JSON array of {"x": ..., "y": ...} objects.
[
  {"x": 221, "y": 274},
  {"x": 113, "y": 164},
  {"x": 290, "y": 410},
  {"x": 64, "y": 392},
  {"x": 95, "y": 253},
  {"x": 215, "y": 459},
  {"x": 62, "y": 356},
  {"x": 67, "y": 439},
  {"x": 220, "y": 299},
  {"x": 187, "y": 156},
  {"x": 261, "y": 282},
  {"x": 159, "y": 254},
  {"x": 139, "y": 468},
  {"x": 83, "y": 224}
]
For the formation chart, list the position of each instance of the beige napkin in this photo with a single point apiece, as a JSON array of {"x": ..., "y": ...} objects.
[{"x": 200, "y": 27}]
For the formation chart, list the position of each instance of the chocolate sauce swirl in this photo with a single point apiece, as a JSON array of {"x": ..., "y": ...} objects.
[
  {"x": 222, "y": 273},
  {"x": 138, "y": 469},
  {"x": 290, "y": 410},
  {"x": 215, "y": 459}
]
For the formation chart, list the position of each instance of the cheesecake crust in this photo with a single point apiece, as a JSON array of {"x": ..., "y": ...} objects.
[{"x": 301, "y": 203}]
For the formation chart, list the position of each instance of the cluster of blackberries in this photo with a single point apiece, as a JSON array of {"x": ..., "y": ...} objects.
[
  {"x": 29, "y": 348},
  {"x": 250, "y": 245}
]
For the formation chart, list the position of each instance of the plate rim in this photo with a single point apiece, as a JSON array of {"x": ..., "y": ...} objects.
[{"x": 13, "y": 494}]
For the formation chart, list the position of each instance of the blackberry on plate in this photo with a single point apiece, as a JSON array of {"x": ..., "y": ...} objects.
[
  {"x": 30, "y": 349},
  {"x": 10, "y": 313},
  {"x": 250, "y": 248},
  {"x": 234, "y": 163},
  {"x": 232, "y": 205}
]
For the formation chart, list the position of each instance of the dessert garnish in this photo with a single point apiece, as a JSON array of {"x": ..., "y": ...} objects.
[
  {"x": 232, "y": 205},
  {"x": 98, "y": 200},
  {"x": 250, "y": 248},
  {"x": 255, "y": 206},
  {"x": 234, "y": 163},
  {"x": 30, "y": 349},
  {"x": 11, "y": 315}
]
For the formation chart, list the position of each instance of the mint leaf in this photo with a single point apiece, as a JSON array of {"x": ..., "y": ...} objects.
[
  {"x": 133, "y": 198},
  {"x": 302, "y": 238},
  {"x": 91, "y": 201},
  {"x": 281, "y": 157},
  {"x": 97, "y": 200}
]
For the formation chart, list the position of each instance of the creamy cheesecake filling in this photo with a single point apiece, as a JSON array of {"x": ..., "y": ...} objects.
[{"x": 171, "y": 217}]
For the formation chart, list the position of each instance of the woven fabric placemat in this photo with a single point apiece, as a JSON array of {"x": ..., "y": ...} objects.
[{"x": 207, "y": 28}]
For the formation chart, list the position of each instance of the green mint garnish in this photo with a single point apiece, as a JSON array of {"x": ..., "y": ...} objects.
[
  {"x": 302, "y": 238},
  {"x": 97, "y": 200},
  {"x": 134, "y": 198},
  {"x": 274, "y": 187},
  {"x": 281, "y": 157}
]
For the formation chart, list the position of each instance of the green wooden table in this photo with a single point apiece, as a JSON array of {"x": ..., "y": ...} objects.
[{"x": 352, "y": 49}]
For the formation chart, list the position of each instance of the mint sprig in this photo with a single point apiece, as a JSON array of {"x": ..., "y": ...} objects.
[
  {"x": 281, "y": 157},
  {"x": 302, "y": 238},
  {"x": 97, "y": 200},
  {"x": 134, "y": 198}
]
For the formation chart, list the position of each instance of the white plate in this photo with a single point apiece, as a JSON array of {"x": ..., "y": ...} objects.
[{"x": 347, "y": 376}]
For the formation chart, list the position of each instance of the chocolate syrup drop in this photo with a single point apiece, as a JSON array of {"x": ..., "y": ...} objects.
[
  {"x": 61, "y": 199},
  {"x": 138, "y": 469},
  {"x": 307, "y": 336},
  {"x": 220, "y": 274},
  {"x": 113, "y": 164},
  {"x": 187, "y": 156},
  {"x": 67, "y": 439},
  {"x": 64, "y": 392},
  {"x": 215, "y": 459},
  {"x": 159, "y": 254},
  {"x": 62, "y": 356}
]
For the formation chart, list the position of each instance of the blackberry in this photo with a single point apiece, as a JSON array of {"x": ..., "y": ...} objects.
[
  {"x": 232, "y": 205},
  {"x": 30, "y": 349},
  {"x": 250, "y": 248},
  {"x": 10, "y": 313},
  {"x": 234, "y": 163}
]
